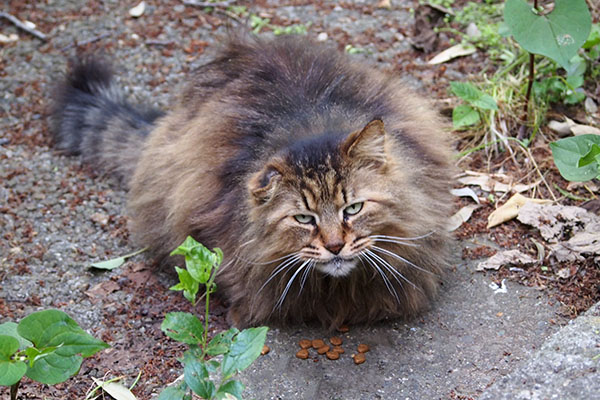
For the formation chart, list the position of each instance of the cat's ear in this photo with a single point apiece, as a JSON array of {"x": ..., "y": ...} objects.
[
  {"x": 262, "y": 185},
  {"x": 367, "y": 145}
]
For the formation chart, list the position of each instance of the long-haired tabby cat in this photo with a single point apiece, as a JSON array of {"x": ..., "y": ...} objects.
[{"x": 324, "y": 182}]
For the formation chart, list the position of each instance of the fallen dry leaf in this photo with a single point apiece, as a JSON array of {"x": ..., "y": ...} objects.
[
  {"x": 465, "y": 192},
  {"x": 115, "y": 389},
  {"x": 568, "y": 127},
  {"x": 510, "y": 209},
  {"x": 508, "y": 257},
  {"x": 494, "y": 182},
  {"x": 458, "y": 50},
  {"x": 387, "y": 4},
  {"x": 460, "y": 217},
  {"x": 102, "y": 289},
  {"x": 556, "y": 223}
]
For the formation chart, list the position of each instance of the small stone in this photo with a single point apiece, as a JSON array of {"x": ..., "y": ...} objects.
[
  {"x": 321, "y": 37},
  {"x": 265, "y": 350}
]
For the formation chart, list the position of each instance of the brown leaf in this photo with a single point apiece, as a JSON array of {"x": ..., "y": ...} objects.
[{"x": 510, "y": 209}]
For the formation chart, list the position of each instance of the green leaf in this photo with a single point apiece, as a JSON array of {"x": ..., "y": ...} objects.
[
  {"x": 11, "y": 371},
  {"x": 590, "y": 157},
  {"x": 232, "y": 387},
  {"x": 557, "y": 35},
  {"x": 10, "y": 329},
  {"x": 568, "y": 153},
  {"x": 196, "y": 377},
  {"x": 245, "y": 348},
  {"x": 221, "y": 343},
  {"x": 58, "y": 341},
  {"x": 472, "y": 95},
  {"x": 109, "y": 264},
  {"x": 188, "y": 284},
  {"x": 116, "y": 262},
  {"x": 54, "y": 368},
  {"x": 173, "y": 393},
  {"x": 594, "y": 37},
  {"x": 54, "y": 328},
  {"x": 184, "y": 248},
  {"x": 464, "y": 115},
  {"x": 183, "y": 327}
]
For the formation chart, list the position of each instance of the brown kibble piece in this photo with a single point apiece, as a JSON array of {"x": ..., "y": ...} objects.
[
  {"x": 302, "y": 354},
  {"x": 338, "y": 349},
  {"x": 305, "y": 344},
  {"x": 323, "y": 349},
  {"x": 363, "y": 348},
  {"x": 265, "y": 350},
  {"x": 343, "y": 329},
  {"x": 318, "y": 343},
  {"x": 359, "y": 358},
  {"x": 336, "y": 341},
  {"x": 332, "y": 355}
]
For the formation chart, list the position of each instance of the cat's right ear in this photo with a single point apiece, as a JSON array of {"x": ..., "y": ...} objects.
[{"x": 262, "y": 185}]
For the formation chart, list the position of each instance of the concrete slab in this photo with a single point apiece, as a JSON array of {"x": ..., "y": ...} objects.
[{"x": 473, "y": 336}]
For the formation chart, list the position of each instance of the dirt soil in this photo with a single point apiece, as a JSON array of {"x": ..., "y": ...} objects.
[{"x": 57, "y": 216}]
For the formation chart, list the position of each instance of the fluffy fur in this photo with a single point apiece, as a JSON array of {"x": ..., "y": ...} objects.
[{"x": 268, "y": 154}]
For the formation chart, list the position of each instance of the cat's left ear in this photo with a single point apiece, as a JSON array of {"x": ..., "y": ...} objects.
[
  {"x": 367, "y": 145},
  {"x": 262, "y": 185}
]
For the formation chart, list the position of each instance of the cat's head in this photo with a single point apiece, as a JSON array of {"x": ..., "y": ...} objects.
[{"x": 325, "y": 197}]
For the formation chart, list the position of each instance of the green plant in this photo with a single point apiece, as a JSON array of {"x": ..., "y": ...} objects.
[
  {"x": 46, "y": 346},
  {"x": 557, "y": 34},
  {"x": 477, "y": 101},
  {"x": 238, "y": 349},
  {"x": 578, "y": 157}
]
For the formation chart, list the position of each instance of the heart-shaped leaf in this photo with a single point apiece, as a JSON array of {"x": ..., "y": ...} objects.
[
  {"x": 557, "y": 35},
  {"x": 11, "y": 371}
]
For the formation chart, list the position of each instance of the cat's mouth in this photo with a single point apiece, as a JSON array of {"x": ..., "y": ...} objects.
[{"x": 337, "y": 266}]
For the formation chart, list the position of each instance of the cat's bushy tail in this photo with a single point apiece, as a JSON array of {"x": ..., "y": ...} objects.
[{"x": 91, "y": 117}]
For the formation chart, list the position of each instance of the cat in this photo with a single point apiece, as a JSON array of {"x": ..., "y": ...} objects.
[{"x": 325, "y": 182}]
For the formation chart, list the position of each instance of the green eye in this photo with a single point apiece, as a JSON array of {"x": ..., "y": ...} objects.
[
  {"x": 353, "y": 209},
  {"x": 304, "y": 218}
]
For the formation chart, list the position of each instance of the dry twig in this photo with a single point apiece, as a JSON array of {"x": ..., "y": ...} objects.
[{"x": 23, "y": 26}]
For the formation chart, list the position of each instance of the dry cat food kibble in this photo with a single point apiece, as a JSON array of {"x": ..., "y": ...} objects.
[
  {"x": 338, "y": 349},
  {"x": 343, "y": 329},
  {"x": 332, "y": 355},
  {"x": 265, "y": 350},
  {"x": 363, "y": 348},
  {"x": 302, "y": 354},
  {"x": 318, "y": 343},
  {"x": 359, "y": 358},
  {"x": 336, "y": 341},
  {"x": 305, "y": 343},
  {"x": 323, "y": 349}
]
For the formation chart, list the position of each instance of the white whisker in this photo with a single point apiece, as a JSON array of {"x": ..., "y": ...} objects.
[
  {"x": 394, "y": 241},
  {"x": 270, "y": 261},
  {"x": 307, "y": 271},
  {"x": 386, "y": 281},
  {"x": 285, "y": 264},
  {"x": 392, "y": 270},
  {"x": 402, "y": 238},
  {"x": 289, "y": 284},
  {"x": 404, "y": 260}
]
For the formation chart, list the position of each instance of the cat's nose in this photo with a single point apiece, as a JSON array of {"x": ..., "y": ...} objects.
[{"x": 335, "y": 248}]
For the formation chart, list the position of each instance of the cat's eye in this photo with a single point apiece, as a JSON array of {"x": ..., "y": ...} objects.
[
  {"x": 304, "y": 218},
  {"x": 353, "y": 209}
]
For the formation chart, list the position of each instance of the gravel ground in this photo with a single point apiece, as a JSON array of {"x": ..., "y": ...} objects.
[{"x": 57, "y": 216}]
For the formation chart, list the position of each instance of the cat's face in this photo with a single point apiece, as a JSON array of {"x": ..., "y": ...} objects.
[{"x": 324, "y": 201}]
